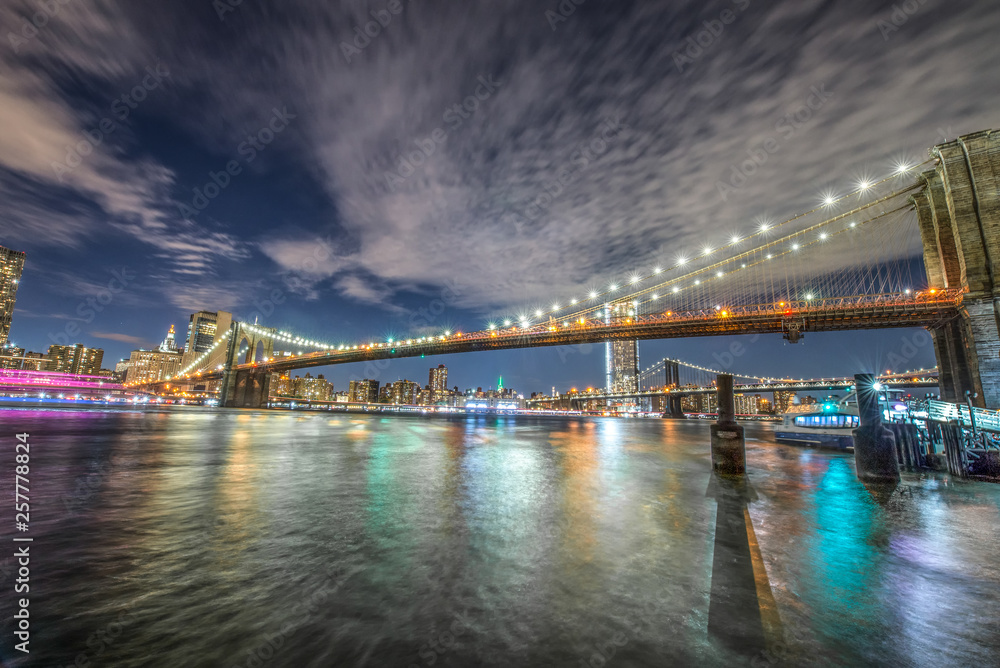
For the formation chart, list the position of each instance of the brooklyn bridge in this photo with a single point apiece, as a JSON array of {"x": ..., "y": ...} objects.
[{"x": 917, "y": 248}]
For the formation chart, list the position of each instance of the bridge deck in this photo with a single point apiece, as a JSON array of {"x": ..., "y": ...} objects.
[{"x": 849, "y": 313}]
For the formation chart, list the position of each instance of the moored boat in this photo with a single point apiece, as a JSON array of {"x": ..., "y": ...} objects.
[{"x": 826, "y": 425}]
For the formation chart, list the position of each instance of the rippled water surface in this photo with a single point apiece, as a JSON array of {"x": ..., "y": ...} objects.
[{"x": 205, "y": 537}]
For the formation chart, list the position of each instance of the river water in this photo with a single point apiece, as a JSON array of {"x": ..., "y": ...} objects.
[{"x": 211, "y": 537}]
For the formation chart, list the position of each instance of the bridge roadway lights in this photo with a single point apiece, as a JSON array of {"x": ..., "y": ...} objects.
[
  {"x": 729, "y": 456},
  {"x": 874, "y": 444}
]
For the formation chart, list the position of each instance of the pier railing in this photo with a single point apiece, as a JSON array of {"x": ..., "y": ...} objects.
[
  {"x": 970, "y": 438},
  {"x": 977, "y": 418}
]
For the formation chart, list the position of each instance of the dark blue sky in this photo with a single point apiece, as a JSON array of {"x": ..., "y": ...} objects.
[{"x": 357, "y": 244}]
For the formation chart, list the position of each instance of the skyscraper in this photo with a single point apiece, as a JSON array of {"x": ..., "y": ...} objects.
[
  {"x": 169, "y": 345},
  {"x": 438, "y": 382},
  {"x": 204, "y": 329},
  {"x": 365, "y": 391},
  {"x": 75, "y": 359},
  {"x": 622, "y": 355},
  {"x": 11, "y": 266}
]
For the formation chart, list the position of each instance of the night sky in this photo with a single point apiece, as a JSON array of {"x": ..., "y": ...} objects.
[{"x": 120, "y": 120}]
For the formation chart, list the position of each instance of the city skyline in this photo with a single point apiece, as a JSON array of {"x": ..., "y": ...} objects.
[{"x": 903, "y": 356}]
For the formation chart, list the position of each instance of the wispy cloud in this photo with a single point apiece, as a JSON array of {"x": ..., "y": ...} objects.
[
  {"x": 652, "y": 192},
  {"x": 123, "y": 338}
]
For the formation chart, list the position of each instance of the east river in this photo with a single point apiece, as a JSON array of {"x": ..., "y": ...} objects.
[{"x": 207, "y": 537}]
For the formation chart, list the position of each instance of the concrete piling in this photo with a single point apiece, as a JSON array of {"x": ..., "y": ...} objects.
[
  {"x": 874, "y": 445},
  {"x": 728, "y": 442}
]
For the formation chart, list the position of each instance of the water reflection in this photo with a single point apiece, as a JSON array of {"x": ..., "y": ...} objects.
[
  {"x": 488, "y": 541},
  {"x": 741, "y": 592}
]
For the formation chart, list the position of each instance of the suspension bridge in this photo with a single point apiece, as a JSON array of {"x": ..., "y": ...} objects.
[
  {"x": 672, "y": 380},
  {"x": 917, "y": 248}
]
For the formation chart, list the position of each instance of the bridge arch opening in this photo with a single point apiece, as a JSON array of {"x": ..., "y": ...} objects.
[{"x": 244, "y": 349}]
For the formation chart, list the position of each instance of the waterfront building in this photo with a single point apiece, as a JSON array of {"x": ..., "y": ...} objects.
[
  {"x": 708, "y": 403},
  {"x": 75, "y": 359},
  {"x": 11, "y": 357},
  {"x": 438, "y": 382},
  {"x": 121, "y": 370},
  {"x": 782, "y": 400},
  {"x": 315, "y": 389},
  {"x": 364, "y": 391},
  {"x": 746, "y": 404},
  {"x": 282, "y": 385},
  {"x": 11, "y": 266},
  {"x": 403, "y": 392},
  {"x": 150, "y": 366}
]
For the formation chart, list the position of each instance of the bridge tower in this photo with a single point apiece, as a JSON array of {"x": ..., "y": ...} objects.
[
  {"x": 959, "y": 215},
  {"x": 246, "y": 388}
]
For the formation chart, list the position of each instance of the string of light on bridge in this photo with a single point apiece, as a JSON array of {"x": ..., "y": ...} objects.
[
  {"x": 731, "y": 295},
  {"x": 828, "y": 200}
]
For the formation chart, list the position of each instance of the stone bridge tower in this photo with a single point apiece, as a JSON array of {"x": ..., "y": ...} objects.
[
  {"x": 247, "y": 388},
  {"x": 959, "y": 215}
]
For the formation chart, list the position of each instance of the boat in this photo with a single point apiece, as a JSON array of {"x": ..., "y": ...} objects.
[{"x": 825, "y": 425}]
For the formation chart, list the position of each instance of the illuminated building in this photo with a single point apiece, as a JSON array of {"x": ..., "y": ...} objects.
[
  {"x": 11, "y": 357},
  {"x": 782, "y": 400},
  {"x": 121, "y": 370},
  {"x": 75, "y": 359},
  {"x": 438, "y": 382},
  {"x": 403, "y": 392},
  {"x": 621, "y": 355},
  {"x": 150, "y": 366},
  {"x": 365, "y": 391},
  {"x": 169, "y": 345},
  {"x": 746, "y": 404},
  {"x": 204, "y": 329},
  {"x": 282, "y": 385},
  {"x": 316, "y": 389},
  {"x": 11, "y": 266}
]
